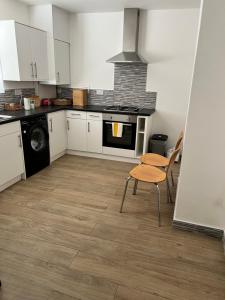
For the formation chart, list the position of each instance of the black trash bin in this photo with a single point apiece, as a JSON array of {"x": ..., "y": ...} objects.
[{"x": 157, "y": 144}]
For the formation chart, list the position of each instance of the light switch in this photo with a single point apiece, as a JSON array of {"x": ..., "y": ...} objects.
[{"x": 100, "y": 92}]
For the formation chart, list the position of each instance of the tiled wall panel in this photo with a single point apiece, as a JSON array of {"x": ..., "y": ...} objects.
[
  {"x": 129, "y": 88},
  {"x": 9, "y": 95}
]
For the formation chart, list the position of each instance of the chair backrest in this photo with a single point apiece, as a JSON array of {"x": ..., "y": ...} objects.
[
  {"x": 179, "y": 141},
  {"x": 172, "y": 160}
]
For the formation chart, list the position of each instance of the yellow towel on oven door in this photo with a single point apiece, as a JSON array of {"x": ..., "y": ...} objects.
[{"x": 117, "y": 129}]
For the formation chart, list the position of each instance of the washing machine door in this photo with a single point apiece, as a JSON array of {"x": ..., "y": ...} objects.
[
  {"x": 36, "y": 148},
  {"x": 38, "y": 139}
]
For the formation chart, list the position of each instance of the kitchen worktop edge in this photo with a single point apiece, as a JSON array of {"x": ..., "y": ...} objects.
[{"x": 23, "y": 114}]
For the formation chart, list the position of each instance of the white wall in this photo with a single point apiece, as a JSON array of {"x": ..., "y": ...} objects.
[
  {"x": 14, "y": 10},
  {"x": 41, "y": 16},
  {"x": 201, "y": 192},
  {"x": 95, "y": 37},
  {"x": 168, "y": 40}
]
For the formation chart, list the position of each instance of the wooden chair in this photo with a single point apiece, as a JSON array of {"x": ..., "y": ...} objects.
[
  {"x": 150, "y": 174},
  {"x": 157, "y": 160}
]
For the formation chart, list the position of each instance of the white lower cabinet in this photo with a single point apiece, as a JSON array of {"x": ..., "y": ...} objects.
[
  {"x": 84, "y": 131},
  {"x": 11, "y": 154},
  {"x": 57, "y": 134},
  {"x": 94, "y": 136},
  {"x": 77, "y": 134}
]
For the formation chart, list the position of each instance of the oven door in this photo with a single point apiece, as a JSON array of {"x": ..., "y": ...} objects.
[{"x": 128, "y": 139}]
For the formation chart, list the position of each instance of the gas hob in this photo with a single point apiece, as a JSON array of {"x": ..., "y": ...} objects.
[{"x": 118, "y": 108}]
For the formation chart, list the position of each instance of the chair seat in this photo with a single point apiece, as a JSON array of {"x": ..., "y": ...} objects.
[
  {"x": 155, "y": 160},
  {"x": 148, "y": 173}
]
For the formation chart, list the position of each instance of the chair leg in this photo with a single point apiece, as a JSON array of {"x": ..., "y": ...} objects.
[
  {"x": 135, "y": 187},
  {"x": 124, "y": 194},
  {"x": 172, "y": 178},
  {"x": 167, "y": 193},
  {"x": 159, "y": 216},
  {"x": 168, "y": 190}
]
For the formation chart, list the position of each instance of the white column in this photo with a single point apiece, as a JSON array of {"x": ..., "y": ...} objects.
[{"x": 201, "y": 191}]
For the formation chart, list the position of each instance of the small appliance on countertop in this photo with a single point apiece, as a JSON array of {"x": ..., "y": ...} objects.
[
  {"x": 46, "y": 102},
  {"x": 35, "y": 143}
]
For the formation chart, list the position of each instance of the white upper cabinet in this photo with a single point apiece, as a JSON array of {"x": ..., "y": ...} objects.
[
  {"x": 55, "y": 21},
  {"x": 22, "y": 56},
  {"x": 39, "y": 54},
  {"x": 23, "y": 52},
  {"x": 61, "y": 29},
  {"x": 62, "y": 62}
]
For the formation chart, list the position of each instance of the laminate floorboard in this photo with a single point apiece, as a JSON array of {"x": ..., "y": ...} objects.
[{"x": 62, "y": 238}]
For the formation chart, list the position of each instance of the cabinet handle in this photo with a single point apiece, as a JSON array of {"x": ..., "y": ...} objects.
[
  {"x": 51, "y": 128},
  {"x": 58, "y": 76},
  {"x": 125, "y": 124},
  {"x": 93, "y": 116},
  {"x": 35, "y": 66},
  {"x": 32, "y": 70},
  {"x": 88, "y": 127},
  {"x": 20, "y": 141},
  {"x": 75, "y": 114},
  {"x": 68, "y": 124}
]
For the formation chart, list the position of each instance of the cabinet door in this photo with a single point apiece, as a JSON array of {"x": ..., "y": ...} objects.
[
  {"x": 25, "y": 59},
  {"x": 94, "y": 136},
  {"x": 77, "y": 134},
  {"x": 11, "y": 157},
  {"x": 39, "y": 53},
  {"x": 62, "y": 62},
  {"x": 57, "y": 133}
]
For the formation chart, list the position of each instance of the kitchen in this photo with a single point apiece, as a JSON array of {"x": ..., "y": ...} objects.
[{"x": 71, "y": 162}]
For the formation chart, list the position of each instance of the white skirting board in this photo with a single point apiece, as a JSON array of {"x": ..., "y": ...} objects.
[
  {"x": 211, "y": 231},
  {"x": 57, "y": 156},
  {"x": 103, "y": 156},
  {"x": 118, "y": 152},
  {"x": 9, "y": 183}
]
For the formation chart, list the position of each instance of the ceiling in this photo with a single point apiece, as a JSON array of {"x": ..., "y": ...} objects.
[{"x": 116, "y": 5}]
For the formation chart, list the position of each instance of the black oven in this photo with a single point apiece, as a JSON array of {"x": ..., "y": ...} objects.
[{"x": 128, "y": 138}]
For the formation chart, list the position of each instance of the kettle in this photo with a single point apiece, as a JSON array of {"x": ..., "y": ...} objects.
[{"x": 27, "y": 103}]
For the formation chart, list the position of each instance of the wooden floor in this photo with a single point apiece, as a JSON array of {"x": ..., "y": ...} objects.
[{"x": 62, "y": 238}]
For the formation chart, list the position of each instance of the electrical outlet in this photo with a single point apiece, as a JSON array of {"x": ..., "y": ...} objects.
[
  {"x": 100, "y": 92},
  {"x": 18, "y": 92}
]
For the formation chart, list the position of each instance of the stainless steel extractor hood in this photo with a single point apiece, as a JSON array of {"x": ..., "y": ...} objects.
[{"x": 130, "y": 39}]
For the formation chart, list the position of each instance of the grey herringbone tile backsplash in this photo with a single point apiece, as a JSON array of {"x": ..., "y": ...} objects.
[
  {"x": 9, "y": 95},
  {"x": 129, "y": 88},
  {"x": 130, "y": 85}
]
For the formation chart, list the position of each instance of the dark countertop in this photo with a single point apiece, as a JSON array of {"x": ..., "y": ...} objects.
[{"x": 22, "y": 114}]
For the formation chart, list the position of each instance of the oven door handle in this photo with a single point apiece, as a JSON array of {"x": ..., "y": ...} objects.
[{"x": 125, "y": 124}]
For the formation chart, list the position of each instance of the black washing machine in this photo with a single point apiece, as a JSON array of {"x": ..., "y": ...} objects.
[{"x": 35, "y": 143}]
